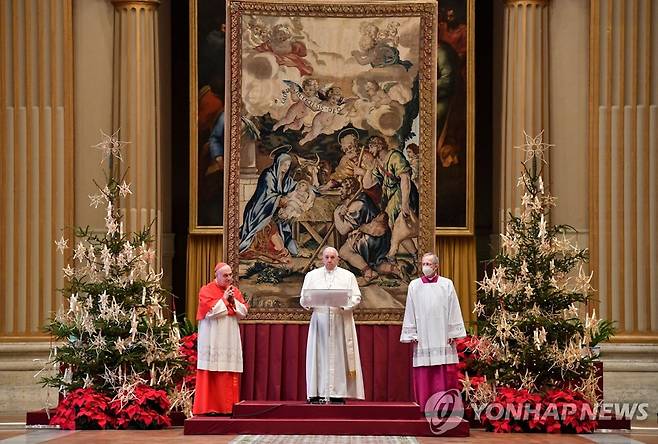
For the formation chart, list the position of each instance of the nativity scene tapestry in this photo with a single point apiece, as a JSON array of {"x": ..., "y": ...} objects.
[{"x": 330, "y": 129}]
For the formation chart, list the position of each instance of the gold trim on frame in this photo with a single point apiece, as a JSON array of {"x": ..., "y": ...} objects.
[
  {"x": 299, "y": 316},
  {"x": 469, "y": 229},
  {"x": 427, "y": 11}
]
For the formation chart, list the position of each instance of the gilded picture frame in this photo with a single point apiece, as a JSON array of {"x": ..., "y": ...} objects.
[
  {"x": 330, "y": 136},
  {"x": 455, "y": 164}
]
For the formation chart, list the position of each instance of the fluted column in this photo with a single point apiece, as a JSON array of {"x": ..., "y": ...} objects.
[
  {"x": 36, "y": 160},
  {"x": 135, "y": 110},
  {"x": 624, "y": 164},
  {"x": 524, "y": 91}
]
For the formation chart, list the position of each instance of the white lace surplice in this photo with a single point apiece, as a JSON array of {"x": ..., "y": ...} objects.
[
  {"x": 218, "y": 344},
  {"x": 432, "y": 316}
]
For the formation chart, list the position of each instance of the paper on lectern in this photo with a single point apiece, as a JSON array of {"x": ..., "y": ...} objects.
[{"x": 326, "y": 297}]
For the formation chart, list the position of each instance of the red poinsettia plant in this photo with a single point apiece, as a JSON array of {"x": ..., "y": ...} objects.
[
  {"x": 554, "y": 411},
  {"x": 575, "y": 413},
  {"x": 510, "y": 411},
  {"x": 147, "y": 409},
  {"x": 83, "y": 409},
  {"x": 468, "y": 357},
  {"x": 467, "y": 370},
  {"x": 87, "y": 409},
  {"x": 188, "y": 349}
]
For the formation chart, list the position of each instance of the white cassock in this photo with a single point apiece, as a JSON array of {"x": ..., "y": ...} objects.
[
  {"x": 333, "y": 364},
  {"x": 218, "y": 342},
  {"x": 432, "y": 316}
]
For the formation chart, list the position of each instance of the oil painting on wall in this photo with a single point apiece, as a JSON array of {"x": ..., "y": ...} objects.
[
  {"x": 331, "y": 128},
  {"x": 207, "y": 79},
  {"x": 455, "y": 118}
]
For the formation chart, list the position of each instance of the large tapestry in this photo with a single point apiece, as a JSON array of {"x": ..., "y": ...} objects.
[{"x": 330, "y": 123}]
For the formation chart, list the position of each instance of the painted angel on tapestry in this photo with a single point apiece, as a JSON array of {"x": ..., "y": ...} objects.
[
  {"x": 333, "y": 114},
  {"x": 376, "y": 94},
  {"x": 286, "y": 48},
  {"x": 378, "y": 48},
  {"x": 380, "y": 105},
  {"x": 257, "y": 32},
  {"x": 306, "y": 100}
]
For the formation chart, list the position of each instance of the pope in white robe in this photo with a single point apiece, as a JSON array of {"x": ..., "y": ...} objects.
[
  {"x": 432, "y": 321},
  {"x": 333, "y": 364}
]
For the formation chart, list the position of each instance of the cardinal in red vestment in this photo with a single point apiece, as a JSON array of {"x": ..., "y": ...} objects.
[{"x": 219, "y": 363}]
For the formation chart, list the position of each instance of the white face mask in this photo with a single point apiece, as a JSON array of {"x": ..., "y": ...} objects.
[{"x": 428, "y": 271}]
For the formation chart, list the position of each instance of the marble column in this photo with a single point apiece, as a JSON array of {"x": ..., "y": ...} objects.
[
  {"x": 524, "y": 92},
  {"x": 36, "y": 160},
  {"x": 136, "y": 111},
  {"x": 623, "y": 148}
]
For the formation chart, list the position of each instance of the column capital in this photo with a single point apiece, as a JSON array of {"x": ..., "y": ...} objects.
[
  {"x": 135, "y": 4},
  {"x": 527, "y": 2}
]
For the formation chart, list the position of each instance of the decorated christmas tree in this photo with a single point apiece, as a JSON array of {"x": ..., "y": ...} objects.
[
  {"x": 116, "y": 353},
  {"x": 535, "y": 333}
]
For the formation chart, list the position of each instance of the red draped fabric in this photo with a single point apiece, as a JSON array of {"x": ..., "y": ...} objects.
[{"x": 275, "y": 362}]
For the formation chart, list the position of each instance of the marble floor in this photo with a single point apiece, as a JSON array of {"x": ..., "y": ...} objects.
[
  {"x": 37, "y": 436},
  {"x": 13, "y": 431}
]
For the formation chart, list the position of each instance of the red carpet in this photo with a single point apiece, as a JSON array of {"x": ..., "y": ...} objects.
[
  {"x": 299, "y": 418},
  {"x": 302, "y": 410}
]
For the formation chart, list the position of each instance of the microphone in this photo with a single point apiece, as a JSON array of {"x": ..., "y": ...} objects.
[{"x": 229, "y": 292}]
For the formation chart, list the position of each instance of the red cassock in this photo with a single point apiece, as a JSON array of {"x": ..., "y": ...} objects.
[{"x": 219, "y": 364}]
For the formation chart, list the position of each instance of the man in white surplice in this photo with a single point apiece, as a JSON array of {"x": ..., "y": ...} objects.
[
  {"x": 333, "y": 365},
  {"x": 432, "y": 322}
]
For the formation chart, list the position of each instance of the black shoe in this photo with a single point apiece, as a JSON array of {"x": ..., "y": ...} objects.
[
  {"x": 336, "y": 401},
  {"x": 314, "y": 400}
]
